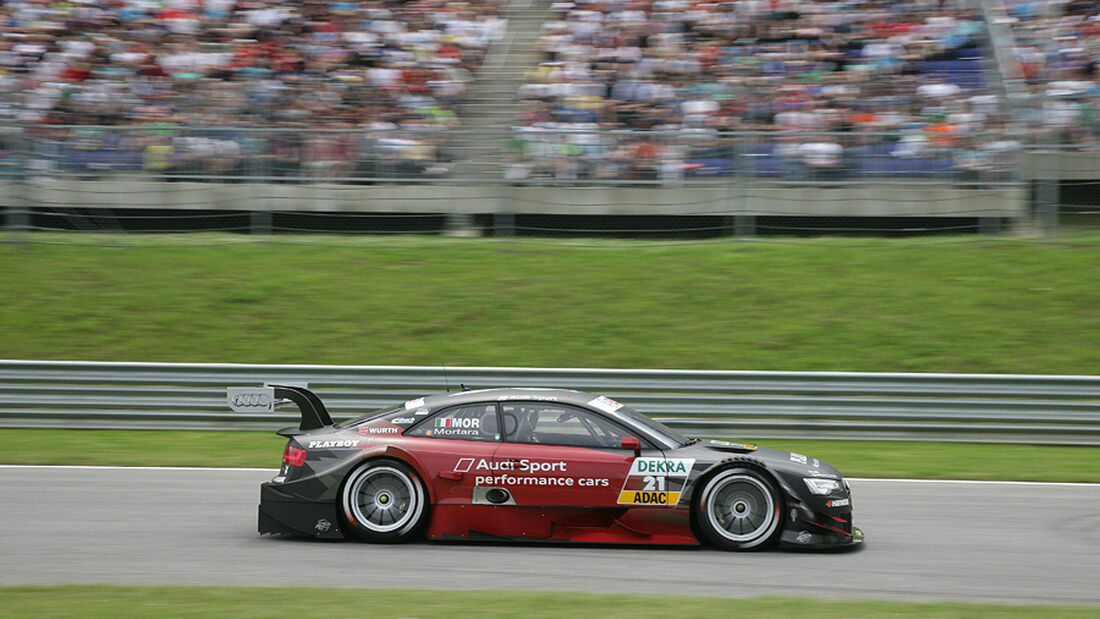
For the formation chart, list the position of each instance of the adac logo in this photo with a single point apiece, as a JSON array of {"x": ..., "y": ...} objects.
[{"x": 642, "y": 497}]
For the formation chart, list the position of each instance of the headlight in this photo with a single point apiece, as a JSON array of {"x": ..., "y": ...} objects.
[{"x": 818, "y": 485}]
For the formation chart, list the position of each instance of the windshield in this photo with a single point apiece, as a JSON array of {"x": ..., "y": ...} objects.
[{"x": 656, "y": 429}]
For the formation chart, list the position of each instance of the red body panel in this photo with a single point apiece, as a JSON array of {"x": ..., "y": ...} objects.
[
  {"x": 574, "y": 476},
  {"x": 559, "y": 493},
  {"x": 439, "y": 458},
  {"x": 638, "y": 525}
]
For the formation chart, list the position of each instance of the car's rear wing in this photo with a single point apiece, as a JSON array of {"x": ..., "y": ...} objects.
[{"x": 264, "y": 400}]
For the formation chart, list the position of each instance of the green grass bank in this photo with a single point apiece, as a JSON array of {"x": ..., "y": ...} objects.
[
  {"x": 114, "y": 601},
  {"x": 1002, "y": 306}
]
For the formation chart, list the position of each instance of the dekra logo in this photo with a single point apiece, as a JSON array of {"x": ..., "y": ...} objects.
[
  {"x": 662, "y": 466},
  {"x": 675, "y": 467}
]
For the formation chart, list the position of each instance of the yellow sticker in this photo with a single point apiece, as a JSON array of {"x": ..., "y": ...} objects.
[{"x": 642, "y": 497}]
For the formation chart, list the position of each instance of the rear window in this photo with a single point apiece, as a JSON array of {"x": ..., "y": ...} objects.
[{"x": 379, "y": 414}]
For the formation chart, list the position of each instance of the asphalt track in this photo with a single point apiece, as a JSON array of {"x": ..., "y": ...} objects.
[{"x": 998, "y": 542}]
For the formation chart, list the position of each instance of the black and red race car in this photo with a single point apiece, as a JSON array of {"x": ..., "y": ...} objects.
[{"x": 538, "y": 464}]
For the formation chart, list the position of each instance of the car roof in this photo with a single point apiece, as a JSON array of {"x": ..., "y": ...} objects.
[
  {"x": 469, "y": 396},
  {"x": 596, "y": 403}
]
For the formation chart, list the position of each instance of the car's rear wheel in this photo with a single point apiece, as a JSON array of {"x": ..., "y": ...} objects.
[
  {"x": 740, "y": 508},
  {"x": 384, "y": 501}
]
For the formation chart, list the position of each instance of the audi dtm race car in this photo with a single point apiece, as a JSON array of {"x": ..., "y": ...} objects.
[{"x": 537, "y": 464}]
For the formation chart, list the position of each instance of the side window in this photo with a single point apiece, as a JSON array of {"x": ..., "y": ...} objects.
[
  {"x": 472, "y": 422},
  {"x": 549, "y": 423}
]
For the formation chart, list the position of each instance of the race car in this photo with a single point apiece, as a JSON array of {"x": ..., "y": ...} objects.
[{"x": 537, "y": 465}]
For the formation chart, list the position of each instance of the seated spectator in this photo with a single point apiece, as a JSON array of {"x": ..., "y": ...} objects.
[
  {"x": 265, "y": 63},
  {"x": 798, "y": 66}
]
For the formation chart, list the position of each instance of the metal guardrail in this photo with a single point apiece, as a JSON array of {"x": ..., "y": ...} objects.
[{"x": 745, "y": 405}]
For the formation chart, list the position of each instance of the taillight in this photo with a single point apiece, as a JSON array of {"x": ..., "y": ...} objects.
[{"x": 294, "y": 456}]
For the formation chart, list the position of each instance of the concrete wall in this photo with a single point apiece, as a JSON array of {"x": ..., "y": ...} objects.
[
  {"x": 1062, "y": 165},
  {"x": 883, "y": 199}
]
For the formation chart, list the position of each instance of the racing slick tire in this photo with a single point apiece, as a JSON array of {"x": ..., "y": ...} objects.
[
  {"x": 740, "y": 508},
  {"x": 384, "y": 501}
]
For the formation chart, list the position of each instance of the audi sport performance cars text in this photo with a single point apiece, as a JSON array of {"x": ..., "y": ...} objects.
[{"x": 538, "y": 464}]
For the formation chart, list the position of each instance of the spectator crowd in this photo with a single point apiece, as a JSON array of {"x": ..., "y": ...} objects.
[
  {"x": 401, "y": 67},
  {"x": 1055, "y": 46},
  {"x": 689, "y": 70},
  {"x": 623, "y": 89}
]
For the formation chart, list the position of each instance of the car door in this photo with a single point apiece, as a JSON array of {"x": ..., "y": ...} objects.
[
  {"x": 555, "y": 454},
  {"x": 454, "y": 444}
]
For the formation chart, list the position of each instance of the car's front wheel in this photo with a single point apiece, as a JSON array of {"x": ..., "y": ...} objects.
[
  {"x": 739, "y": 508},
  {"x": 384, "y": 501}
]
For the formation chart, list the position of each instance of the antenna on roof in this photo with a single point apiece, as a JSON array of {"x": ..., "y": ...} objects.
[{"x": 445, "y": 381}]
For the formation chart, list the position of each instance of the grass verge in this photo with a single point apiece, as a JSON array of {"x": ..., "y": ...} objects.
[
  {"x": 263, "y": 450},
  {"x": 116, "y": 601},
  {"x": 938, "y": 305}
]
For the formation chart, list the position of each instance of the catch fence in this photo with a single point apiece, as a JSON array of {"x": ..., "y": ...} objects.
[
  {"x": 504, "y": 183},
  {"x": 540, "y": 182}
]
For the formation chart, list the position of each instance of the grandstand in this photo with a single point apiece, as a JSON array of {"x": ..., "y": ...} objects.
[{"x": 592, "y": 107}]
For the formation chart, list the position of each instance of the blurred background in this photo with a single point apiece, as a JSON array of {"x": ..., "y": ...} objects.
[{"x": 863, "y": 230}]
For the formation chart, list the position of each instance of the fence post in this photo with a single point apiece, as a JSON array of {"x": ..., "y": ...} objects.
[
  {"x": 504, "y": 225},
  {"x": 989, "y": 225},
  {"x": 260, "y": 223},
  {"x": 17, "y": 213},
  {"x": 1046, "y": 192},
  {"x": 744, "y": 226},
  {"x": 17, "y": 223},
  {"x": 460, "y": 224}
]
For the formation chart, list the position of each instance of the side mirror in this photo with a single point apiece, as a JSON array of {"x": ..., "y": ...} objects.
[{"x": 632, "y": 442}]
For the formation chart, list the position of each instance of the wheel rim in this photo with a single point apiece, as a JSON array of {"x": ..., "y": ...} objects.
[
  {"x": 741, "y": 507},
  {"x": 383, "y": 499}
]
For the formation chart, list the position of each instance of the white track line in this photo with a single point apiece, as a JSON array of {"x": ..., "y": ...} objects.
[
  {"x": 977, "y": 481},
  {"x": 858, "y": 479}
]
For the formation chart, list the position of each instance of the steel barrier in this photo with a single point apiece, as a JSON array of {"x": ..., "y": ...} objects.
[{"x": 738, "y": 404}]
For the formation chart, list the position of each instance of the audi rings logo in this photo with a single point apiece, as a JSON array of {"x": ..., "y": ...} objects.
[{"x": 252, "y": 400}]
